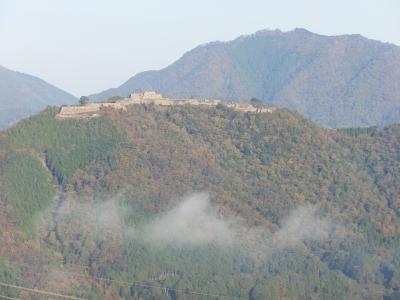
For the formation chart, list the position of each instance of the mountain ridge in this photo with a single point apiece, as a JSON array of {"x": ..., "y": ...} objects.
[
  {"x": 336, "y": 81},
  {"x": 22, "y": 94}
]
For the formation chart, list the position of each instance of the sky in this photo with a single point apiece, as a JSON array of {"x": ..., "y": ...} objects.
[{"x": 86, "y": 46}]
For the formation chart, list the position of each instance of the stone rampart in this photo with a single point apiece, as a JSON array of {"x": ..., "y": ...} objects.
[{"x": 93, "y": 109}]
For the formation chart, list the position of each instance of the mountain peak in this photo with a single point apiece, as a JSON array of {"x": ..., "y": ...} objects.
[
  {"x": 301, "y": 31},
  {"x": 336, "y": 81},
  {"x": 268, "y": 32}
]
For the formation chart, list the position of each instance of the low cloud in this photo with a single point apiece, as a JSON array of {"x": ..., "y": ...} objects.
[
  {"x": 194, "y": 221},
  {"x": 303, "y": 224},
  {"x": 102, "y": 220}
]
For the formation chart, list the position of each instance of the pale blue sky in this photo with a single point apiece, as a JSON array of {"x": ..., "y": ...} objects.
[{"x": 85, "y": 46}]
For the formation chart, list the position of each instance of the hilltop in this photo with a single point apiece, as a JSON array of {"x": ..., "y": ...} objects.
[
  {"x": 22, "y": 95},
  {"x": 93, "y": 110},
  {"x": 336, "y": 81},
  {"x": 116, "y": 206}
]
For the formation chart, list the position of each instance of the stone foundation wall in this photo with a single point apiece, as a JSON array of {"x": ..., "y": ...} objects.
[
  {"x": 87, "y": 111},
  {"x": 93, "y": 109}
]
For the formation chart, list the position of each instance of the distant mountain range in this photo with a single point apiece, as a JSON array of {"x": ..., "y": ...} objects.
[
  {"x": 336, "y": 81},
  {"x": 22, "y": 94}
]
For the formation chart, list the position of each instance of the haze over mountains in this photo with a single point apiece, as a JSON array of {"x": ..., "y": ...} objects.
[
  {"x": 22, "y": 95},
  {"x": 336, "y": 81}
]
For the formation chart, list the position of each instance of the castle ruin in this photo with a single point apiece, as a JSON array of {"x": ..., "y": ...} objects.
[{"x": 92, "y": 110}]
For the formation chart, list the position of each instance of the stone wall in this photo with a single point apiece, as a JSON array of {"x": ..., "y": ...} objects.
[
  {"x": 93, "y": 109},
  {"x": 158, "y": 99},
  {"x": 152, "y": 95},
  {"x": 249, "y": 108},
  {"x": 86, "y": 111}
]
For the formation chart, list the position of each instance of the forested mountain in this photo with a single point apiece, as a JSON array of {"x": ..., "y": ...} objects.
[
  {"x": 187, "y": 202},
  {"x": 336, "y": 81},
  {"x": 22, "y": 95}
]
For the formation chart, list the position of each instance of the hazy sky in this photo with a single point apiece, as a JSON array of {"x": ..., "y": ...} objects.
[{"x": 85, "y": 46}]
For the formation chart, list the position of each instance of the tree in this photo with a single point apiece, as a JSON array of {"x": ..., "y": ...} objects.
[
  {"x": 83, "y": 100},
  {"x": 115, "y": 98},
  {"x": 257, "y": 103}
]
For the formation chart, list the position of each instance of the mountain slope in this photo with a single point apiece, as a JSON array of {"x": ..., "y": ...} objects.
[
  {"x": 336, "y": 81},
  {"x": 121, "y": 227},
  {"x": 22, "y": 94}
]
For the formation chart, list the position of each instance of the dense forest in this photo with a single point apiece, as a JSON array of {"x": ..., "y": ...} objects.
[{"x": 198, "y": 203}]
